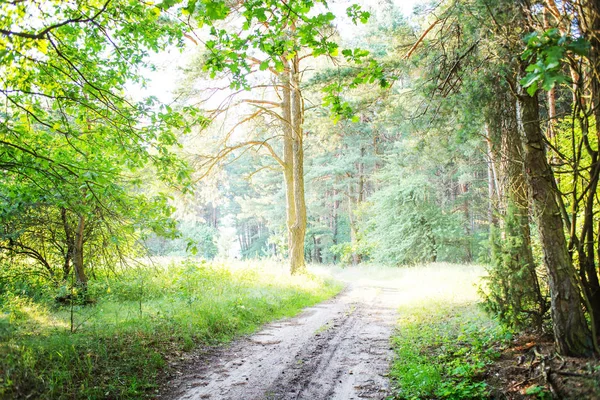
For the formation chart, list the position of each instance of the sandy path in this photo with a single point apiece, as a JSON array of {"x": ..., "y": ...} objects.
[{"x": 338, "y": 349}]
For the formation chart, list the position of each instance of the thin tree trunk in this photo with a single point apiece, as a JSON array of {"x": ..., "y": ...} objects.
[
  {"x": 585, "y": 245},
  {"x": 353, "y": 230},
  {"x": 354, "y": 205},
  {"x": 288, "y": 158},
  {"x": 517, "y": 187},
  {"x": 78, "y": 265},
  {"x": 334, "y": 220},
  {"x": 492, "y": 189},
  {"x": 571, "y": 332},
  {"x": 69, "y": 241}
]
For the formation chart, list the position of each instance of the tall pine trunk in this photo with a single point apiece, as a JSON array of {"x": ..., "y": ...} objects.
[
  {"x": 571, "y": 332},
  {"x": 293, "y": 163},
  {"x": 288, "y": 173}
]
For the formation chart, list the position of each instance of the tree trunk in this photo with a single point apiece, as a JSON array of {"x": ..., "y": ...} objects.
[
  {"x": 590, "y": 24},
  {"x": 571, "y": 332},
  {"x": 317, "y": 250},
  {"x": 288, "y": 157},
  {"x": 78, "y": 265},
  {"x": 68, "y": 256},
  {"x": 298, "y": 228},
  {"x": 356, "y": 258},
  {"x": 492, "y": 186},
  {"x": 334, "y": 220},
  {"x": 517, "y": 189}
]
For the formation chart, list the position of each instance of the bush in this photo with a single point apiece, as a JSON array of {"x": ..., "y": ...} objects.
[{"x": 513, "y": 291}]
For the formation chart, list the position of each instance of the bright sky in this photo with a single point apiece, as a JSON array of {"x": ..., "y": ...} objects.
[{"x": 408, "y": 5}]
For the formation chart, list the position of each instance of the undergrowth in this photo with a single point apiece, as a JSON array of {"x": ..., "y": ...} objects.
[
  {"x": 442, "y": 350},
  {"x": 140, "y": 319}
]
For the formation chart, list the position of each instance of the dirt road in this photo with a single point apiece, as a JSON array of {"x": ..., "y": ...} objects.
[{"x": 338, "y": 349}]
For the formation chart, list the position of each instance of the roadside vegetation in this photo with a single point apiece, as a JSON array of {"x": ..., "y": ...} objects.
[
  {"x": 443, "y": 351},
  {"x": 121, "y": 345},
  {"x": 444, "y": 341}
]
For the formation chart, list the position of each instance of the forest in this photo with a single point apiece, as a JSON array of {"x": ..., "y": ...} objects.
[{"x": 175, "y": 174}]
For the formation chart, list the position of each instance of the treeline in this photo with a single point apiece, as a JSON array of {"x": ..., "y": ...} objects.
[
  {"x": 526, "y": 73},
  {"x": 384, "y": 183}
]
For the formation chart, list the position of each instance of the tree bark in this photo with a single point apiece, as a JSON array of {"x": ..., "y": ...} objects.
[
  {"x": 288, "y": 156},
  {"x": 571, "y": 332},
  {"x": 492, "y": 183},
  {"x": 590, "y": 25},
  {"x": 78, "y": 264},
  {"x": 68, "y": 256},
  {"x": 517, "y": 189},
  {"x": 298, "y": 228},
  {"x": 354, "y": 203},
  {"x": 334, "y": 219}
]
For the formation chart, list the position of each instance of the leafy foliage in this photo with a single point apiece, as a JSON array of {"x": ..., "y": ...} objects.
[
  {"x": 512, "y": 291},
  {"x": 72, "y": 142},
  {"x": 443, "y": 346},
  {"x": 547, "y": 53}
]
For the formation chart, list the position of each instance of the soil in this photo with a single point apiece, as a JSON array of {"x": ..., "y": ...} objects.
[
  {"x": 338, "y": 349},
  {"x": 530, "y": 369}
]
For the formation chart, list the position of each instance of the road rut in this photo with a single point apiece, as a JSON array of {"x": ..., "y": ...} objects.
[{"x": 338, "y": 349}]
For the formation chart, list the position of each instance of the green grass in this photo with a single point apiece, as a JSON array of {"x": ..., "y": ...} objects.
[
  {"x": 140, "y": 320},
  {"x": 444, "y": 341}
]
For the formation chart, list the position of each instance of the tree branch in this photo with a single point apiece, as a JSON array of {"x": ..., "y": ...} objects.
[
  {"x": 41, "y": 34},
  {"x": 418, "y": 42}
]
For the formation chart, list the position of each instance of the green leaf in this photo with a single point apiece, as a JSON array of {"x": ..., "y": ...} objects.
[
  {"x": 532, "y": 89},
  {"x": 264, "y": 65}
]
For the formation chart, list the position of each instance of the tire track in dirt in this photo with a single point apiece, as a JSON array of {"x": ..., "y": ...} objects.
[{"x": 338, "y": 349}]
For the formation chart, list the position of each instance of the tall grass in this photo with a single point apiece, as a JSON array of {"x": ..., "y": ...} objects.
[
  {"x": 443, "y": 341},
  {"x": 141, "y": 319}
]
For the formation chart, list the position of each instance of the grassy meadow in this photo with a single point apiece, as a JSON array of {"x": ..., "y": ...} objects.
[{"x": 140, "y": 318}]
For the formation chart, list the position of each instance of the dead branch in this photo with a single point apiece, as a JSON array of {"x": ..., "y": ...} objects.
[{"x": 418, "y": 42}]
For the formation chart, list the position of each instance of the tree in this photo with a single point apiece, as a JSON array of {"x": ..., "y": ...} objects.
[
  {"x": 279, "y": 38},
  {"x": 464, "y": 29},
  {"x": 72, "y": 142}
]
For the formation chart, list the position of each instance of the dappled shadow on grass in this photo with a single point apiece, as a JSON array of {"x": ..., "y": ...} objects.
[
  {"x": 443, "y": 350},
  {"x": 142, "y": 319}
]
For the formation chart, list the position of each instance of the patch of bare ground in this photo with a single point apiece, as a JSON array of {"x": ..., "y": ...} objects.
[
  {"x": 337, "y": 350},
  {"x": 530, "y": 369}
]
